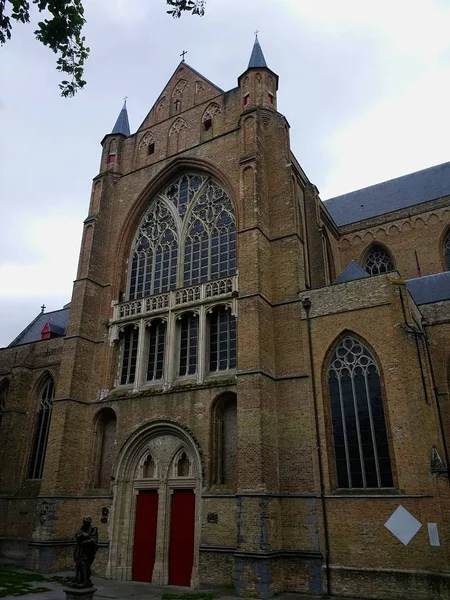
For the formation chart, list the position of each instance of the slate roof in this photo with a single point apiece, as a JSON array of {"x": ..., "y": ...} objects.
[
  {"x": 257, "y": 60},
  {"x": 431, "y": 288},
  {"x": 351, "y": 272},
  {"x": 122, "y": 125},
  {"x": 56, "y": 319},
  {"x": 395, "y": 194}
]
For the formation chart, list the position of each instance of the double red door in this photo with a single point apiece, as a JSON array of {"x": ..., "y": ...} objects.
[{"x": 182, "y": 527}]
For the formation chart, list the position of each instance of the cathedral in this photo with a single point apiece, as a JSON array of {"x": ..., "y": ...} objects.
[{"x": 250, "y": 387}]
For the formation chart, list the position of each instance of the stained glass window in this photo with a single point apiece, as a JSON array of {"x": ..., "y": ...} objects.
[
  {"x": 157, "y": 342},
  {"x": 222, "y": 340},
  {"x": 359, "y": 430},
  {"x": 46, "y": 394},
  {"x": 188, "y": 344},
  {"x": 378, "y": 261}
]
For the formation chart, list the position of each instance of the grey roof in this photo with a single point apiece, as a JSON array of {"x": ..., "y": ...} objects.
[
  {"x": 351, "y": 272},
  {"x": 56, "y": 319},
  {"x": 431, "y": 288},
  {"x": 395, "y": 194},
  {"x": 122, "y": 125},
  {"x": 257, "y": 59}
]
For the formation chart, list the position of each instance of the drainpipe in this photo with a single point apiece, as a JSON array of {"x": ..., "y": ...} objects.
[{"x": 306, "y": 303}]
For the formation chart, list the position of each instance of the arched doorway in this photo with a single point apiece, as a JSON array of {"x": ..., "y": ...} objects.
[{"x": 156, "y": 513}]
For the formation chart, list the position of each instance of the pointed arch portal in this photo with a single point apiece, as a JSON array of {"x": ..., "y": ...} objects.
[{"x": 155, "y": 523}]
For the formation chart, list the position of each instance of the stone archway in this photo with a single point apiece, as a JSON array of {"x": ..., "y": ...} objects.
[{"x": 159, "y": 474}]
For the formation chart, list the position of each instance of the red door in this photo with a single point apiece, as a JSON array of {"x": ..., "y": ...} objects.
[
  {"x": 145, "y": 535},
  {"x": 181, "y": 553}
]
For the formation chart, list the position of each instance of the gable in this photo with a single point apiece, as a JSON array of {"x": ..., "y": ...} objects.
[{"x": 184, "y": 90}]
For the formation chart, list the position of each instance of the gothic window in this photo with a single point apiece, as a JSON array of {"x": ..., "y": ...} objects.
[
  {"x": 210, "y": 115},
  {"x": 188, "y": 344},
  {"x": 130, "y": 338},
  {"x": 46, "y": 394},
  {"x": 155, "y": 256},
  {"x": 359, "y": 428},
  {"x": 210, "y": 246},
  {"x": 4, "y": 388},
  {"x": 149, "y": 468},
  {"x": 148, "y": 142},
  {"x": 222, "y": 339},
  {"x": 183, "y": 465},
  {"x": 105, "y": 436},
  {"x": 378, "y": 261},
  {"x": 447, "y": 251},
  {"x": 225, "y": 440},
  {"x": 156, "y": 344}
]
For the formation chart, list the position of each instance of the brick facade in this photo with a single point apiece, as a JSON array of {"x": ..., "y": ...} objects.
[{"x": 277, "y": 522}]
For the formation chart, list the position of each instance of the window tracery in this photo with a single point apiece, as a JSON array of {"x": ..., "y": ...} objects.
[
  {"x": 378, "y": 261},
  {"x": 147, "y": 140},
  {"x": 187, "y": 239},
  {"x": 46, "y": 395},
  {"x": 447, "y": 251},
  {"x": 359, "y": 429}
]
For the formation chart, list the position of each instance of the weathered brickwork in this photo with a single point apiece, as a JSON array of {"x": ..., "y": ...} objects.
[{"x": 278, "y": 522}]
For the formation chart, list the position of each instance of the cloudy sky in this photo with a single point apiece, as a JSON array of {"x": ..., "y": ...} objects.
[{"x": 364, "y": 86}]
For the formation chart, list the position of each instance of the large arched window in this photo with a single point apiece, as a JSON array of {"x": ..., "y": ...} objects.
[
  {"x": 4, "y": 388},
  {"x": 188, "y": 236},
  {"x": 378, "y": 260},
  {"x": 46, "y": 394},
  {"x": 359, "y": 429},
  {"x": 447, "y": 251},
  {"x": 185, "y": 242}
]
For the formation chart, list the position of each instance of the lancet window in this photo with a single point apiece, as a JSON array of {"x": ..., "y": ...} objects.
[
  {"x": 447, "y": 251},
  {"x": 46, "y": 394},
  {"x": 359, "y": 430},
  {"x": 186, "y": 242},
  {"x": 378, "y": 261}
]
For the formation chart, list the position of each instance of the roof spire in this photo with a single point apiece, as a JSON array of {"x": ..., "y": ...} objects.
[
  {"x": 122, "y": 125},
  {"x": 257, "y": 59}
]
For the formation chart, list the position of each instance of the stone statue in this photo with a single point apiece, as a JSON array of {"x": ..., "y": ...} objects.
[{"x": 84, "y": 553}]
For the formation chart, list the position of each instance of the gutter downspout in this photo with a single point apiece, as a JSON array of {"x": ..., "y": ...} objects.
[{"x": 306, "y": 303}]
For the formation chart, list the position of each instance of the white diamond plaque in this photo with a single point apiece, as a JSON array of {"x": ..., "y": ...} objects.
[{"x": 403, "y": 525}]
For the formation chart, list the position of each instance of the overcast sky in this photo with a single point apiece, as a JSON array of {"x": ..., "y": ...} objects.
[{"x": 364, "y": 86}]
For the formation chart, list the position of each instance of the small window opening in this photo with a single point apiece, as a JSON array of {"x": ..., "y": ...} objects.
[
  {"x": 151, "y": 148},
  {"x": 177, "y": 105},
  {"x": 111, "y": 159},
  {"x": 270, "y": 98},
  {"x": 246, "y": 99},
  {"x": 207, "y": 124},
  {"x": 183, "y": 465}
]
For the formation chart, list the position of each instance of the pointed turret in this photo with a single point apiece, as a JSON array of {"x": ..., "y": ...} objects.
[
  {"x": 258, "y": 83},
  {"x": 122, "y": 125},
  {"x": 257, "y": 60}
]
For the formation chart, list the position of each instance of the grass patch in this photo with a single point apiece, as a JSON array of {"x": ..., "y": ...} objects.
[
  {"x": 193, "y": 596},
  {"x": 14, "y": 582}
]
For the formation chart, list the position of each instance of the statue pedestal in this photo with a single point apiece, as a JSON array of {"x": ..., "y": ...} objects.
[{"x": 80, "y": 593}]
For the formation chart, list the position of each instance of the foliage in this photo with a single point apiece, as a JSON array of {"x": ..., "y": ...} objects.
[
  {"x": 17, "y": 582},
  {"x": 61, "y": 31}
]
